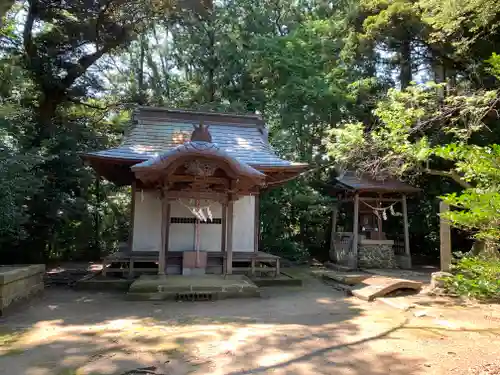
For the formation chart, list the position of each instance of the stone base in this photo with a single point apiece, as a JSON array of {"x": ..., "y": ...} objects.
[
  {"x": 376, "y": 256},
  {"x": 173, "y": 287},
  {"x": 403, "y": 261},
  {"x": 19, "y": 283}
]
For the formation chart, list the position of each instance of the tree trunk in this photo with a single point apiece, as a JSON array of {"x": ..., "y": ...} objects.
[
  {"x": 405, "y": 74},
  {"x": 46, "y": 114}
]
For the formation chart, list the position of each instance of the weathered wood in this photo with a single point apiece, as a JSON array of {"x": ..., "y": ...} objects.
[
  {"x": 219, "y": 197},
  {"x": 207, "y": 179},
  {"x": 379, "y": 221},
  {"x": 372, "y": 199},
  {"x": 229, "y": 251},
  {"x": 256, "y": 224},
  {"x": 355, "y": 232},
  {"x": 406, "y": 229},
  {"x": 335, "y": 211},
  {"x": 445, "y": 238},
  {"x": 131, "y": 269},
  {"x": 162, "y": 255},
  {"x": 380, "y": 286},
  {"x": 167, "y": 230},
  {"x": 224, "y": 234},
  {"x": 132, "y": 215}
]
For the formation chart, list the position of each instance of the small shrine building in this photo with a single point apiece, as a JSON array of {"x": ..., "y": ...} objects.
[{"x": 195, "y": 179}]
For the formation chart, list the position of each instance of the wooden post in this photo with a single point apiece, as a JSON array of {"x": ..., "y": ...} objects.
[
  {"x": 445, "y": 238},
  {"x": 229, "y": 244},
  {"x": 256, "y": 224},
  {"x": 132, "y": 215},
  {"x": 164, "y": 237},
  {"x": 406, "y": 231},
  {"x": 355, "y": 233},
  {"x": 379, "y": 222},
  {"x": 223, "y": 247},
  {"x": 335, "y": 211}
]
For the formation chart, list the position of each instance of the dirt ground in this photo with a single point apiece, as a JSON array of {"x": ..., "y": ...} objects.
[{"x": 294, "y": 331}]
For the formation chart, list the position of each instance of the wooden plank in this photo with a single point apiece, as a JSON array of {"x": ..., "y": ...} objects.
[
  {"x": 444, "y": 238},
  {"x": 379, "y": 287},
  {"x": 219, "y": 197},
  {"x": 354, "y": 255},
  {"x": 229, "y": 252},
  {"x": 373, "y": 199}
]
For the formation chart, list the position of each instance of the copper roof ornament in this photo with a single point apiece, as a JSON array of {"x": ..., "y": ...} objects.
[{"x": 201, "y": 133}]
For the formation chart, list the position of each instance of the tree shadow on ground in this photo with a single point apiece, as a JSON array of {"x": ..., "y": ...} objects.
[{"x": 313, "y": 330}]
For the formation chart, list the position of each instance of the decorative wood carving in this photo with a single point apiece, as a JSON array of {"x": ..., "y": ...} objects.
[
  {"x": 201, "y": 133},
  {"x": 198, "y": 168}
]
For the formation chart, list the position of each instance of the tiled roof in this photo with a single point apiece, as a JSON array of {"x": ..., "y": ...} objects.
[
  {"x": 354, "y": 182},
  {"x": 153, "y": 135}
]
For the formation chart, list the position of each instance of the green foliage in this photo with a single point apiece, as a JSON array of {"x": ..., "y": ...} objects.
[
  {"x": 318, "y": 73},
  {"x": 475, "y": 277}
]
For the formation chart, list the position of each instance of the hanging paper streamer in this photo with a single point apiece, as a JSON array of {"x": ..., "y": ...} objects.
[{"x": 383, "y": 210}]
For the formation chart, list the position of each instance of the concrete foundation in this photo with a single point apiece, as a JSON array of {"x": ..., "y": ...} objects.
[
  {"x": 19, "y": 283},
  {"x": 204, "y": 287}
]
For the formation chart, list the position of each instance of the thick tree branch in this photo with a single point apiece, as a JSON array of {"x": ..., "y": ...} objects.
[
  {"x": 450, "y": 174},
  {"x": 86, "y": 61}
]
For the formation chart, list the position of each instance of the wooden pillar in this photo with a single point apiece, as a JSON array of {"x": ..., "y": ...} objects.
[
  {"x": 223, "y": 248},
  {"x": 165, "y": 231},
  {"x": 132, "y": 215},
  {"x": 406, "y": 230},
  {"x": 445, "y": 238},
  {"x": 355, "y": 232},
  {"x": 229, "y": 244},
  {"x": 335, "y": 211},
  {"x": 256, "y": 224},
  {"x": 379, "y": 222}
]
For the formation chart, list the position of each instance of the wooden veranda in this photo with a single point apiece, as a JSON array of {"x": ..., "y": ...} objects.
[{"x": 129, "y": 264}]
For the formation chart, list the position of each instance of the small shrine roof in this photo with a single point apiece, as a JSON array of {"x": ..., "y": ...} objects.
[{"x": 352, "y": 181}]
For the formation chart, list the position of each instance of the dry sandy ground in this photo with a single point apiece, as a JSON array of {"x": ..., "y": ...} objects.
[{"x": 295, "y": 331}]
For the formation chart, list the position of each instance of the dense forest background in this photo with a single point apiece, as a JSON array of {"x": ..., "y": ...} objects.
[{"x": 341, "y": 83}]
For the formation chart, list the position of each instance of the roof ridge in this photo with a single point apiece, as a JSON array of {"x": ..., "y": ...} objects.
[{"x": 197, "y": 112}]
